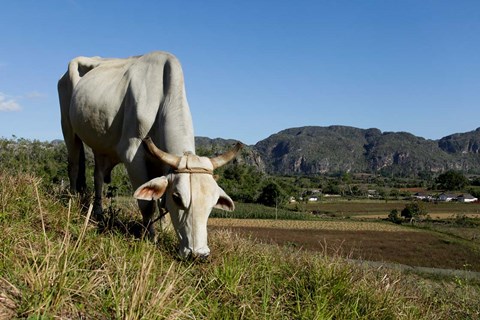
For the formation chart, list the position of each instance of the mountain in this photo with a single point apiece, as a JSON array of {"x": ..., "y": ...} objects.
[
  {"x": 326, "y": 150},
  {"x": 465, "y": 143},
  {"x": 211, "y": 147}
]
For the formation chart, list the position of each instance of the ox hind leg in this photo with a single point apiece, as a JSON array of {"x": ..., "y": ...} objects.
[
  {"x": 102, "y": 174},
  {"x": 76, "y": 168}
]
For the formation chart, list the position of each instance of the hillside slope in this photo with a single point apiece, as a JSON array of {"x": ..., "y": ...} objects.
[
  {"x": 318, "y": 150},
  {"x": 302, "y": 151}
]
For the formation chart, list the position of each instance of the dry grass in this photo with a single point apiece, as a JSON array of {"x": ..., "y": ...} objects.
[
  {"x": 345, "y": 225},
  {"x": 54, "y": 264}
]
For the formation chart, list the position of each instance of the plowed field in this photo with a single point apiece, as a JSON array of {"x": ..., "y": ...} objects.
[{"x": 361, "y": 240}]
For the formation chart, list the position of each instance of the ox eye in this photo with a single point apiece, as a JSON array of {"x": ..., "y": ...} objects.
[{"x": 177, "y": 199}]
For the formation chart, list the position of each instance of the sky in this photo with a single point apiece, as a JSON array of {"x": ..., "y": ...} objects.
[{"x": 252, "y": 67}]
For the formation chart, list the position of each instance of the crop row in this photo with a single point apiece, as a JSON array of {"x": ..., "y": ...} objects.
[{"x": 310, "y": 225}]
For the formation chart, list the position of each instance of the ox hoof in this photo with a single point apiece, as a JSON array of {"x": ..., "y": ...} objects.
[
  {"x": 187, "y": 254},
  {"x": 201, "y": 258}
]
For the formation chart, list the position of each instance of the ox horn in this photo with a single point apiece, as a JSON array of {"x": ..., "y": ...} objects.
[
  {"x": 163, "y": 156},
  {"x": 226, "y": 157}
]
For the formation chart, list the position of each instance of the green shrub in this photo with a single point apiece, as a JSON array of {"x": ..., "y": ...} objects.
[
  {"x": 414, "y": 210},
  {"x": 394, "y": 217}
]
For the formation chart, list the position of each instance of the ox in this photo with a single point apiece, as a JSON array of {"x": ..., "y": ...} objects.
[{"x": 111, "y": 105}]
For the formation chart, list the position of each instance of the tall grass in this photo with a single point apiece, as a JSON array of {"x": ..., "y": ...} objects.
[
  {"x": 54, "y": 264},
  {"x": 257, "y": 211},
  {"x": 68, "y": 270}
]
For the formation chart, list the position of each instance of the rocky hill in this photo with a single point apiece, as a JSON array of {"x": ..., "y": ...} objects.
[{"x": 314, "y": 150}]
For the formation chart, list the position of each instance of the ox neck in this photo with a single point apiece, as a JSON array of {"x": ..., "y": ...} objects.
[{"x": 178, "y": 137}]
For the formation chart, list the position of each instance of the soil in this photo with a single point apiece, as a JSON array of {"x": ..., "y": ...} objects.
[{"x": 420, "y": 249}]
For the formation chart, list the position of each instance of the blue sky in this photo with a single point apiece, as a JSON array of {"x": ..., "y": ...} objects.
[{"x": 253, "y": 68}]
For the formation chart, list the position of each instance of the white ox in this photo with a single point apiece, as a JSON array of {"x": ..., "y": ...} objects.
[{"x": 111, "y": 105}]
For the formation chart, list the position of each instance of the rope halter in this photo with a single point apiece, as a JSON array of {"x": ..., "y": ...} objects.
[{"x": 183, "y": 166}]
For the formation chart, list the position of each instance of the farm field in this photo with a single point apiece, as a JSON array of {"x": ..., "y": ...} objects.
[
  {"x": 433, "y": 215},
  {"x": 354, "y": 230},
  {"x": 363, "y": 240},
  {"x": 380, "y": 209}
]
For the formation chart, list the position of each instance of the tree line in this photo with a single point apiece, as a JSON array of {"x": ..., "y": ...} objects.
[{"x": 244, "y": 183}]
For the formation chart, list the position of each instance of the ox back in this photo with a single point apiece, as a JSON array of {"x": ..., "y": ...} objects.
[{"x": 111, "y": 105}]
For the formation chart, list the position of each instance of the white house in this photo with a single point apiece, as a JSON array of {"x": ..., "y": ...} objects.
[
  {"x": 466, "y": 198},
  {"x": 422, "y": 196},
  {"x": 447, "y": 197}
]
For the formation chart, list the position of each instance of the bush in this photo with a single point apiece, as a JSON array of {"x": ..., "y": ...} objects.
[
  {"x": 414, "y": 210},
  {"x": 394, "y": 217}
]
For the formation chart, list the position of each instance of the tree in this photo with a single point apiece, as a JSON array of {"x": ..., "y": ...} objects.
[
  {"x": 272, "y": 195},
  {"x": 395, "y": 194},
  {"x": 347, "y": 180},
  {"x": 475, "y": 182},
  {"x": 382, "y": 193},
  {"x": 240, "y": 182},
  {"x": 414, "y": 210},
  {"x": 452, "y": 180},
  {"x": 331, "y": 187}
]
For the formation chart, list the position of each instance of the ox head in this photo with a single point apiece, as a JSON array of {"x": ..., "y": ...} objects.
[{"x": 190, "y": 194}]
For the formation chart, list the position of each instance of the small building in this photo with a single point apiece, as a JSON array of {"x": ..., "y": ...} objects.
[
  {"x": 372, "y": 193},
  {"x": 466, "y": 198},
  {"x": 447, "y": 197},
  {"x": 422, "y": 196}
]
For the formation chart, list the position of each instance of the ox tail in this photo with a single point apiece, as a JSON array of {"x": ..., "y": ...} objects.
[
  {"x": 81, "y": 181},
  {"x": 80, "y": 66},
  {"x": 75, "y": 148},
  {"x": 81, "y": 177},
  {"x": 76, "y": 172}
]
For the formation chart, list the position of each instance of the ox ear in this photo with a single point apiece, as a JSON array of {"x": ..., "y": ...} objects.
[
  {"x": 152, "y": 190},
  {"x": 224, "y": 202}
]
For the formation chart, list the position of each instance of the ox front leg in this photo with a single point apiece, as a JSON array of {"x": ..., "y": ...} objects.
[{"x": 148, "y": 209}]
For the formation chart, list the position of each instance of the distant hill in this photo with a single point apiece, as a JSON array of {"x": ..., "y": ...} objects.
[{"x": 314, "y": 150}]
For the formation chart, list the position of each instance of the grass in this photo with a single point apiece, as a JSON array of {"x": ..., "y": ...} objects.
[{"x": 54, "y": 264}]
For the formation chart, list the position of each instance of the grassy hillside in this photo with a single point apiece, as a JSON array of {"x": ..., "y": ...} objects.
[{"x": 55, "y": 265}]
